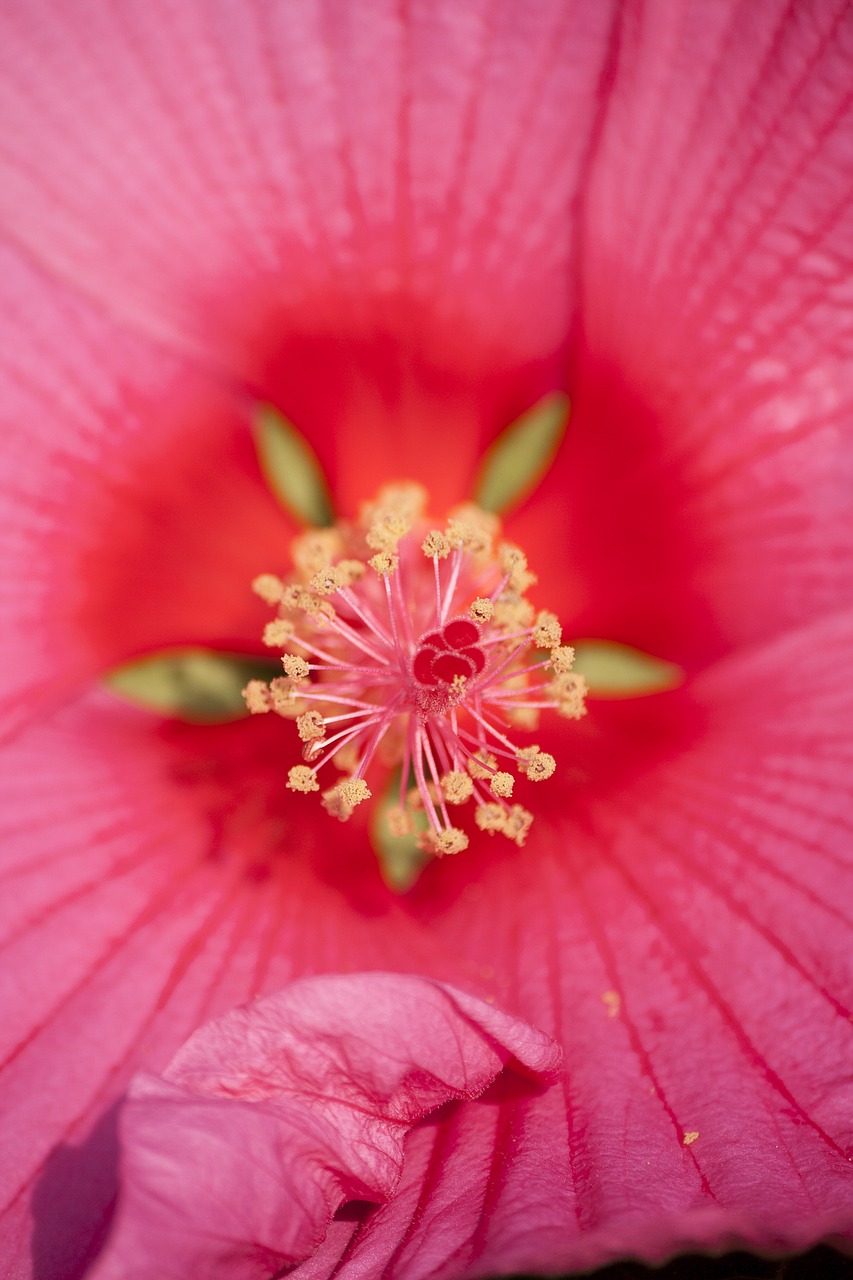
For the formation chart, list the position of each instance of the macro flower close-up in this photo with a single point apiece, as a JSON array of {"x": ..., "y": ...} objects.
[{"x": 427, "y": 623}]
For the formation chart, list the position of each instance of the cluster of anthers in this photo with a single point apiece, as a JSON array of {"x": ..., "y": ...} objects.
[{"x": 416, "y": 646}]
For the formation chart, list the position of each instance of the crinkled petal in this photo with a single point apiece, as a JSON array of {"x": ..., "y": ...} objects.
[
  {"x": 235, "y": 1160},
  {"x": 685, "y": 934},
  {"x": 133, "y": 511},
  {"x": 703, "y": 500},
  {"x": 363, "y": 212},
  {"x": 152, "y": 876}
]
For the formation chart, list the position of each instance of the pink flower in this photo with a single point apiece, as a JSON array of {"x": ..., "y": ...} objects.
[{"x": 402, "y": 229}]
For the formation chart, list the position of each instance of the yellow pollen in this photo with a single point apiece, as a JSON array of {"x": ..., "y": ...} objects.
[
  {"x": 428, "y": 664},
  {"x": 284, "y": 700},
  {"x": 514, "y": 564},
  {"x": 442, "y": 843},
  {"x": 399, "y": 823},
  {"x": 315, "y": 549},
  {"x": 568, "y": 691},
  {"x": 457, "y": 787},
  {"x": 518, "y": 823},
  {"x": 278, "y": 633},
  {"x": 295, "y": 667},
  {"x": 383, "y": 563},
  {"x": 268, "y": 587},
  {"x": 490, "y": 817},
  {"x": 257, "y": 697},
  {"x": 351, "y": 571},
  {"x": 341, "y": 799},
  {"x": 435, "y": 544},
  {"x": 474, "y": 529},
  {"x": 387, "y": 532},
  {"x": 310, "y": 726},
  {"x": 301, "y": 778},
  {"x": 482, "y": 610},
  {"x": 405, "y": 499},
  {"x": 513, "y": 612},
  {"x": 328, "y": 581},
  {"x": 482, "y": 765},
  {"x": 535, "y": 764},
  {"x": 562, "y": 658},
  {"x": 548, "y": 632},
  {"x": 347, "y": 758}
]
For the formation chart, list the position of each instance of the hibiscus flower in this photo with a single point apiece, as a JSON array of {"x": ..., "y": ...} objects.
[{"x": 402, "y": 228}]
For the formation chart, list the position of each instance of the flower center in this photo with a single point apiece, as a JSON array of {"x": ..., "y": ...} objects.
[{"x": 413, "y": 646}]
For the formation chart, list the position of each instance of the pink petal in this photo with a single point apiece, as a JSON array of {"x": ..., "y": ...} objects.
[
  {"x": 134, "y": 514},
  {"x": 365, "y": 214},
  {"x": 704, "y": 496},
  {"x": 152, "y": 876},
  {"x": 270, "y": 1118},
  {"x": 685, "y": 934}
]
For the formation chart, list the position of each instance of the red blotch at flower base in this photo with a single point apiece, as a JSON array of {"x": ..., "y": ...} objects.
[{"x": 418, "y": 647}]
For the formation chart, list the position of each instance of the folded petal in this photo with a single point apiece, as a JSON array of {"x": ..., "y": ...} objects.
[
  {"x": 152, "y": 876},
  {"x": 235, "y": 1160},
  {"x": 366, "y": 214},
  {"x": 685, "y": 933},
  {"x": 703, "y": 499}
]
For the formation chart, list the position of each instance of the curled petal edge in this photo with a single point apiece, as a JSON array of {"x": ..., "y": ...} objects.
[{"x": 235, "y": 1160}]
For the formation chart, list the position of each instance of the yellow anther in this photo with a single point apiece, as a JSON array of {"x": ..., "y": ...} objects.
[
  {"x": 301, "y": 778},
  {"x": 517, "y": 824},
  {"x": 278, "y": 633},
  {"x": 482, "y": 610},
  {"x": 383, "y": 563},
  {"x": 514, "y": 563},
  {"x": 435, "y": 544},
  {"x": 482, "y": 765},
  {"x": 442, "y": 843},
  {"x": 385, "y": 533},
  {"x": 501, "y": 785},
  {"x": 457, "y": 787},
  {"x": 523, "y": 718},
  {"x": 548, "y": 632},
  {"x": 268, "y": 587},
  {"x": 351, "y": 571},
  {"x": 346, "y": 758},
  {"x": 284, "y": 700},
  {"x": 341, "y": 799},
  {"x": 490, "y": 817},
  {"x": 315, "y": 549},
  {"x": 568, "y": 689},
  {"x": 310, "y": 726},
  {"x": 537, "y": 765},
  {"x": 513, "y": 612},
  {"x": 407, "y": 500},
  {"x": 328, "y": 580},
  {"x": 257, "y": 697},
  {"x": 474, "y": 529},
  {"x": 295, "y": 667},
  {"x": 299, "y": 599},
  {"x": 562, "y": 658},
  {"x": 399, "y": 823},
  {"x": 354, "y": 791}
]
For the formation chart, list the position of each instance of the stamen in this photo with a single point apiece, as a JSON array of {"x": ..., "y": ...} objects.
[{"x": 417, "y": 648}]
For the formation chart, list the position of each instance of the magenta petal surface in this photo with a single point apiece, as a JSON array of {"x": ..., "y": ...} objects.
[
  {"x": 365, "y": 212},
  {"x": 235, "y": 1160},
  {"x": 685, "y": 935},
  {"x": 705, "y": 485},
  {"x": 153, "y": 876}
]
